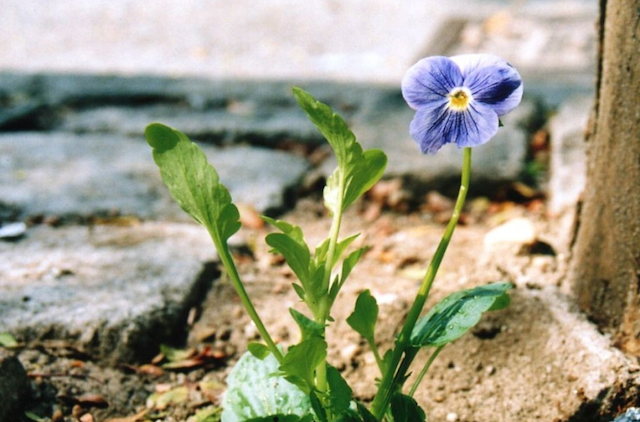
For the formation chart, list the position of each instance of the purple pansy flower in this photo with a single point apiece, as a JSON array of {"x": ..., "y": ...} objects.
[{"x": 459, "y": 99}]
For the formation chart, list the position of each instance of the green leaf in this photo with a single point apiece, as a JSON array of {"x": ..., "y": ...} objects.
[
  {"x": 406, "y": 409},
  {"x": 34, "y": 417},
  {"x": 207, "y": 414},
  {"x": 7, "y": 340},
  {"x": 318, "y": 407},
  {"x": 291, "y": 244},
  {"x": 321, "y": 251},
  {"x": 291, "y": 230},
  {"x": 348, "y": 415},
  {"x": 342, "y": 245},
  {"x": 357, "y": 170},
  {"x": 257, "y": 390},
  {"x": 296, "y": 255},
  {"x": 258, "y": 350},
  {"x": 339, "y": 391},
  {"x": 331, "y": 125},
  {"x": 365, "y": 315},
  {"x": 301, "y": 360},
  {"x": 308, "y": 327},
  {"x": 350, "y": 262},
  {"x": 366, "y": 171},
  {"x": 193, "y": 182},
  {"x": 457, "y": 313},
  {"x": 299, "y": 291},
  {"x": 175, "y": 355},
  {"x": 366, "y": 415}
]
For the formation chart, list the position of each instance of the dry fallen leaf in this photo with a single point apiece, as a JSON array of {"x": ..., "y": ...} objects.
[
  {"x": 160, "y": 401},
  {"x": 134, "y": 418}
]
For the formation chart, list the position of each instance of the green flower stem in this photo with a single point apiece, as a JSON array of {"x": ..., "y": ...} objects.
[
  {"x": 376, "y": 354},
  {"x": 386, "y": 388},
  {"x": 227, "y": 262},
  {"x": 324, "y": 309},
  {"x": 424, "y": 370}
]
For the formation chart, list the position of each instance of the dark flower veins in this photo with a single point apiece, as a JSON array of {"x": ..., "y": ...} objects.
[{"x": 459, "y": 99}]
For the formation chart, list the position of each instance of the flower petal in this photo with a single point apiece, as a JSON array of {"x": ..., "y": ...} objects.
[
  {"x": 498, "y": 86},
  {"x": 492, "y": 80},
  {"x": 430, "y": 126},
  {"x": 430, "y": 80},
  {"x": 470, "y": 62},
  {"x": 475, "y": 126}
]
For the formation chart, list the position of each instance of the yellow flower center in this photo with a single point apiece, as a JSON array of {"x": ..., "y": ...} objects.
[{"x": 459, "y": 99}]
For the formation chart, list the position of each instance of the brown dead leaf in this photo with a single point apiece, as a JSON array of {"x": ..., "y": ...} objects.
[
  {"x": 133, "y": 418},
  {"x": 161, "y": 401},
  {"x": 249, "y": 217},
  {"x": 211, "y": 389},
  {"x": 85, "y": 401},
  {"x": 148, "y": 369}
]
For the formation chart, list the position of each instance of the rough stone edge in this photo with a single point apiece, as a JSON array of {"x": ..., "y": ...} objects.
[{"x": 605, "y": 404}]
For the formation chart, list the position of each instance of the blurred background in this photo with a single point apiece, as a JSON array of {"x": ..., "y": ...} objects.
[{"x": 355, "y": 40}]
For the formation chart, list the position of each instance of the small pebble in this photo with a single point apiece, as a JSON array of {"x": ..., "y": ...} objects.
[
  {"x": 349, "y": 352},
  {"x": 452, "y": 417},
  {"x": 490, "y": 370},
  {"x": 516, "y": 231},
  {"x": 631, "y": 415},
  {"x": 87, "y": 417},
  {"x": 13, "y": 230}
]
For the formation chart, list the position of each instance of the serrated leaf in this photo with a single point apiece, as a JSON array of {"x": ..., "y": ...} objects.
[
  {"x": 193, "y": 182},
  {"x": 365, "y": 315},
  {"x": 457, "y": 313},
  {"x": 308, "y": 327},
  {"x": 350, "y": 262},
  {"x": 366, "y": 171},
  {"x": 291, "y": 230},
  {"x": 299, "y": 291},
  {"x": 406, "y": 409},
  {"x": 257, "y": 389},
  {"x": 258, "y": 350},
  {"x": 339, "y": 391},
  {"x": 357, "y": 170},
  {"x": 301, "y": 360},
  {"x": 342, "y": 245},
  {"x": 331, "y": 125},
  {"x": 296, "y": 254},
  {"x": 321, "y": 251}
]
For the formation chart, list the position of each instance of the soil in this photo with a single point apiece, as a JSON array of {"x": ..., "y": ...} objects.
[{"x": 481, "y": 377}]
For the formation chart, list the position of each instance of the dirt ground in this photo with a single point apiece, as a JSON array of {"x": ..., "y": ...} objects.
[{"x": 510, "y": 367}]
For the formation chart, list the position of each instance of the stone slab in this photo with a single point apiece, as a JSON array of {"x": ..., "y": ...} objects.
[
  {"x": 568, "y": 163},
  {"x": 115, "y": 292},
  {"x": 65, "y": 175}
]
